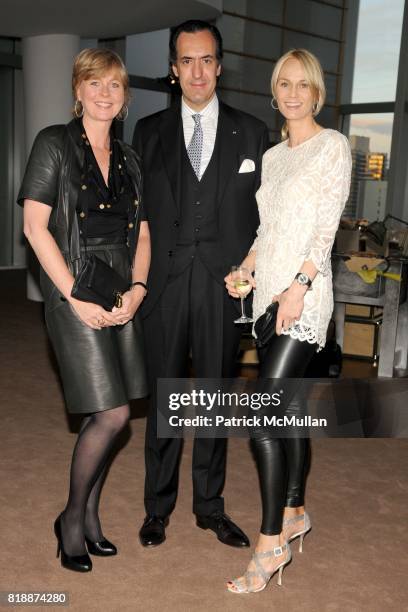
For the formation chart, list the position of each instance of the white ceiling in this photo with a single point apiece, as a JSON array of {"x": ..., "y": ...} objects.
[{"x": 98, "y": 18}]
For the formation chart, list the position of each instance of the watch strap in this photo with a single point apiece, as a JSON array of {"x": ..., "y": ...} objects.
[{"x": 308, "y": 282}]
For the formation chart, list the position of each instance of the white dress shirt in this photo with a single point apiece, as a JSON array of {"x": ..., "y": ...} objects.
[{"x": 209, "y": 121}]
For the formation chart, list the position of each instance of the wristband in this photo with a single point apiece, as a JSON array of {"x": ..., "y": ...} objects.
[{"x": 139, "y": 283}]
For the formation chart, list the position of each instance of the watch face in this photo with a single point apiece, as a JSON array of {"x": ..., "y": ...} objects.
[{"x": 303, "y": 279}]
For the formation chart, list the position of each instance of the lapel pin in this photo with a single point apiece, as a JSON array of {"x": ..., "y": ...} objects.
[{"x": 234, "y": 132}]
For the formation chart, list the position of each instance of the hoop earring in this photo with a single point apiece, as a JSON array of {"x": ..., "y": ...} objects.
[
  {"x": 274, "y": 107},
  {"x": 123, "y": 113},
  {"x": 315, "y": 108},
  {"x": 80, "y": 113}
]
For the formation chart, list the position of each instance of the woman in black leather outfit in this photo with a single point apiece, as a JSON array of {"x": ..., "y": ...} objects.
[
  {"x": 304, "y": 186},
  {"x": 81, "y": 191}
]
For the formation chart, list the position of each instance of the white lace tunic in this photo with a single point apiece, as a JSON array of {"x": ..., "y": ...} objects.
[{"x": 300, "y": 200}]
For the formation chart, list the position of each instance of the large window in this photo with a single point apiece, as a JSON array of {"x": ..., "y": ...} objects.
[
  {"x": 370, "y": 140},
  {"x": 257, "y": 32},
  {"x": 377, "y": 50},
  {"x": 369, "y": 117},
  {"x": 377, "y": 127}
]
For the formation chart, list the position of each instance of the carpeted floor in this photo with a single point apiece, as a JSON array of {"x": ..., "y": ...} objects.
[{"x": 355, "y": 558}]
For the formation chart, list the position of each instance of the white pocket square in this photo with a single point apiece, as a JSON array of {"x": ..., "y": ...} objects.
[{"x": 248, "y": 165}]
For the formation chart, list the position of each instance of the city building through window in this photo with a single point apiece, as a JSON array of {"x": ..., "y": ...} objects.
[{"x": 370, "y": 115}]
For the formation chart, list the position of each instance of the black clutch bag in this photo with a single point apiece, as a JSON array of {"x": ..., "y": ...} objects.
[
  {"x": 265, "y": 326},
  {"x": 97, "y": 282}
]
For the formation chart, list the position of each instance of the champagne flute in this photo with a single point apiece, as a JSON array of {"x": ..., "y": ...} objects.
[{"x": 241, "y": 279}]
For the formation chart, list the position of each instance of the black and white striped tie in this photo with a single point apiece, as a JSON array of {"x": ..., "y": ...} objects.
[{"x": 195, "y": 148}]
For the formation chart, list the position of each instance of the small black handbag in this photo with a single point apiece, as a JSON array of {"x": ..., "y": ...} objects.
[
  {"x": 265, "y": 326},
  {"x": 97, "y": 282}
]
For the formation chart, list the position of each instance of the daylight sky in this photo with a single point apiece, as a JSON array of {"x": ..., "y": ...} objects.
[{"x": 376, "y": 66}]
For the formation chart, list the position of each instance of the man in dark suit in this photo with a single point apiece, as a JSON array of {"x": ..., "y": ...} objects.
[{"x": 201, "y": 164}]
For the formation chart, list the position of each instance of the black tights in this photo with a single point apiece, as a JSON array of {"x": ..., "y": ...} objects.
[
  {"x": 95, "y": 440},
  {"x": 282, "y": 463}
]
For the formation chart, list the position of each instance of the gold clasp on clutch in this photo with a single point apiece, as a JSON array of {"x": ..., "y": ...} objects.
[{"x": 118, "y": 300}]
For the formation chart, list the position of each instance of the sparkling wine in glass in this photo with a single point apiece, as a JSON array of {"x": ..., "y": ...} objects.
[{"x": 241, "y": 279}]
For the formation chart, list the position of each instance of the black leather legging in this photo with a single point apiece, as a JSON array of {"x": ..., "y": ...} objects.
[{"x": 282, "y": 463}]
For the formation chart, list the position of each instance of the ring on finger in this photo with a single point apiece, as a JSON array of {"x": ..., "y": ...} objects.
[{"x": 101, "y": 321}]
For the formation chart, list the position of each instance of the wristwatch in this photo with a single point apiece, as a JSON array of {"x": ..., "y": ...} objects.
[{"x": 303, "y": 279}]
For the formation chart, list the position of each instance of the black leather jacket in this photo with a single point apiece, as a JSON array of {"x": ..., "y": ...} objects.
[{"x": 53, "y": 176}]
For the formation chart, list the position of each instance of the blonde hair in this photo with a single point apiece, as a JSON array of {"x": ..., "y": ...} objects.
[
  {"x": 314, "y": 76},
  {"x": 91, "y": 63}
]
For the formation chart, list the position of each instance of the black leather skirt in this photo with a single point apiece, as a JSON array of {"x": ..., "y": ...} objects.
[{"x": 100, "y": 369}]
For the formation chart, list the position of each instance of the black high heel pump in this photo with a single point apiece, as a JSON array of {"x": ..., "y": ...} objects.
[
  {"x": 103, "y": 548},
  {"x": 77, "y": 563}
]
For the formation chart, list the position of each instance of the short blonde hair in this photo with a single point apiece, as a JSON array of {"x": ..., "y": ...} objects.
[
  {"x": 91, "y": 63},
  {"x": 313, "y": 73}
]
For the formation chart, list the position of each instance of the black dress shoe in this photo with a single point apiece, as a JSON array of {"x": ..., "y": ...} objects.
[
  {"x": 77, "y": 563},
  {"x": 103, "y": 548},
  {"x": 153, "y": 532},
  {"x": 227, "y": 531}
]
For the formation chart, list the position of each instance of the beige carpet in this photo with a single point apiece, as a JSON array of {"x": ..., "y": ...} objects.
[{"x": 355, "y": 558}]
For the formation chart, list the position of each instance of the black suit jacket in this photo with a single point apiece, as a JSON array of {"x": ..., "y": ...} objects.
[{"x": 241, "y": 136}]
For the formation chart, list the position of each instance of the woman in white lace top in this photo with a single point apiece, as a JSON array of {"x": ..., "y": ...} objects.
[
  {"x": 305, "y": 184},
  {"x": 301, "y": 198}
]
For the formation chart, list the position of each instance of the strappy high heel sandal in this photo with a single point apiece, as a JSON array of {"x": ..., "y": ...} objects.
[
  {"x": 242, "y": 585},
  {"x": 301, "y": 525}
]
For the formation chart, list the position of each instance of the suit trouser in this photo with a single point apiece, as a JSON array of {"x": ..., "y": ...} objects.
[{"x": 194, "y": 316}]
